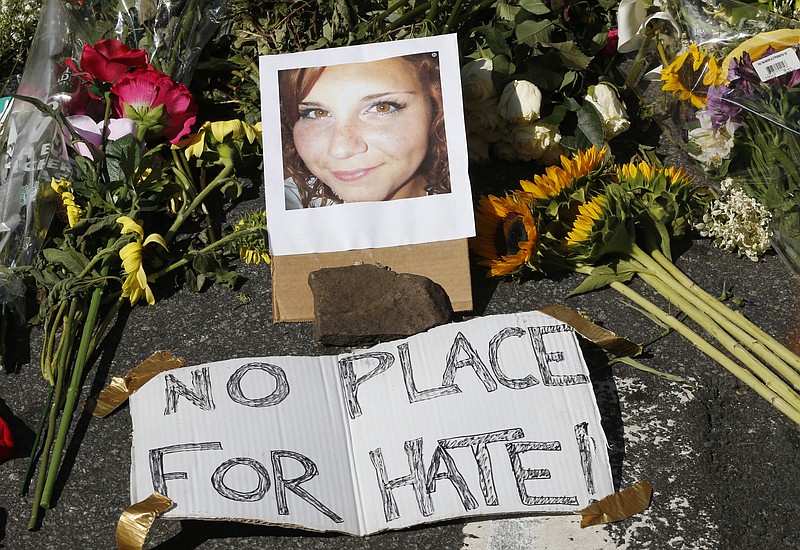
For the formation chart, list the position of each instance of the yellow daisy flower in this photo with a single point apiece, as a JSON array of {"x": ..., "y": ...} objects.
[
  {"x": 196, "y": 144},
  {"x": 507, "y": 233},
  {"x": 136, "y": 284},
  {"x": 557, "y": 178},
  {"x": 690, "y": 75},
  {"x": 74, "y": 213}
]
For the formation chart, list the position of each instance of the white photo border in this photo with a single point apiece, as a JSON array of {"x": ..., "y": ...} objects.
[{"x": 355, "y": 226}]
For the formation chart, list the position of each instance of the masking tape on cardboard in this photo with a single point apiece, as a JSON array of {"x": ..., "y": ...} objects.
[
  {"x": 598, "y": 335},
  {"x": 120, "y": 388},
  {"x": 135, "y": 522},
  {"x": 618, "y": 506}
]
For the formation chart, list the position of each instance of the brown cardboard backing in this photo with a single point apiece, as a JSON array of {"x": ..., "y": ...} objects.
[{"x": 445, "y": 262}]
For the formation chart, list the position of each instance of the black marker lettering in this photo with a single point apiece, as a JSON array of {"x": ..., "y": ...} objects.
[
  {"x": 494, "y": 344},
  {"x": 199, "y": 396},
  {"x": 461, "y": 344},
  {"x": 281, "y": 484},
  {"x": 157, "y": 462},
  {"x": 545, "y": 358},
  {"x": 278, "y": 395},
  {"x": 218, "y": 480},
  {"x": 415, "y": 395},
  {"x": 416, "y": 478},
  {"x": 522, "y": 474},
  {"x": 350, "y": 382}
]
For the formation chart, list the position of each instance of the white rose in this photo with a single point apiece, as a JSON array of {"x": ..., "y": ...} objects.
[
  {"x": 605, "y": 100},
  {"x": 477, "y": 148},
  {"x": 476, "y": 81},
  {"x": 520, "y": 102},
  {"x": 533, "y": 141},
  {"x": 484, "y": 118},
  {"x": 505, "y": 151}
]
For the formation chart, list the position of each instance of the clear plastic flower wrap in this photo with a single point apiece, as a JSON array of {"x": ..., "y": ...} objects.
[{"x": 727, "y": 92}]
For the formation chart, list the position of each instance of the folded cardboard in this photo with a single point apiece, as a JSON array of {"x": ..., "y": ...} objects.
[{"x": 490, "y": 416}]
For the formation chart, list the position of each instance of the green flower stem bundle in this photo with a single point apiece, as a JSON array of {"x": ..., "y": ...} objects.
[{"x": 612, "y": 223}]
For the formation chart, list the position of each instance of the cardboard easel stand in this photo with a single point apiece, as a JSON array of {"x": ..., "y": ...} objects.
[{"x": 445, "y": 263}]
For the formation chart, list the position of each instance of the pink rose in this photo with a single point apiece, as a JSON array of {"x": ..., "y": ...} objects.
[
  {"x": 107, "y": 60},
  {"x": 157, "y": 104},
  {"x": 612, "y": 41}
]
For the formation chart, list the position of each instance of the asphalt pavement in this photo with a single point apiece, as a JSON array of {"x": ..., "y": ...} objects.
[{"x": 723, "y": 463}]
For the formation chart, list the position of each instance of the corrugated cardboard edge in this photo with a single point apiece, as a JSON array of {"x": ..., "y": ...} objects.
[{"x": 445, "y": 263}]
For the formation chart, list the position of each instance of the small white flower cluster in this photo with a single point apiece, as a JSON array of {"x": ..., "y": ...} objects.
[
  {"x": 737, "y": 222},
  {"x": 508, "y": 125},
  {"x": 18, "y": 19}
]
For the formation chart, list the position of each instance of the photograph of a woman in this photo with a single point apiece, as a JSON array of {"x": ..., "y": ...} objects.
[{"x": 366, "y": 131}]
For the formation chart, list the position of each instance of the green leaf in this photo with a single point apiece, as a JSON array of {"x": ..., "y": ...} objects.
[
  {"x": 590, "y": 124},
  {"x": 534, "y": 32},
  {"x": 601, "y": 277},
  {"x": 72, "y": 260},
  {"x": 535, "y": 7},
  {"x": 571, "y": 55}
]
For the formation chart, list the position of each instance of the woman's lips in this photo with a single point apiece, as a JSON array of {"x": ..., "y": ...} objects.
[{"x": 353, "y": 175}]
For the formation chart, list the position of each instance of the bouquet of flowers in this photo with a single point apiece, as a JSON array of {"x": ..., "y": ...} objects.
[
  {"x": 133, "y": 200},
  {"x": 732, "y": 104},
  {"x": 533, "y": 72},
  {"x": 612, "y": 223}
]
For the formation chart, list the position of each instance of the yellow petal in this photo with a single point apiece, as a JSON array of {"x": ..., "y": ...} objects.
[
  {"x": 130, "y": 226},
  {"x": 155, "y": 238},
  {"x": 756, "y": 46}
]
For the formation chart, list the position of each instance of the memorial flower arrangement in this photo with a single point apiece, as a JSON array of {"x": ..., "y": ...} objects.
[
  {"x": 730, "y": 77},
  {"x": 531, "y": 76},
  {"x": 133, "y": 215},
  {"x": 615, "y": 222}
]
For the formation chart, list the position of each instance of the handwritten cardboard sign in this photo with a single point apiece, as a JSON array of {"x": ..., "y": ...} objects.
[{"x": 491, "y": 416}]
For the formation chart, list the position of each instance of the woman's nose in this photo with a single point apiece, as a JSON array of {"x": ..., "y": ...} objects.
[{"x": 346, "y": 141}]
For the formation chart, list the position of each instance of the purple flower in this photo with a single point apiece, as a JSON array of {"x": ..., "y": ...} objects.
[
  {"x": 721, "y": 106},
  {"x": 742, "y": 75}
]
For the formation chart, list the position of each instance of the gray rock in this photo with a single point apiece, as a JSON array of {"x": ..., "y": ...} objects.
[{"x": 363, "y": 304}]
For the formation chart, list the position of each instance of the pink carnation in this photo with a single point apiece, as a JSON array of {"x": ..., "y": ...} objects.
[{"x": 139, "y": 94}]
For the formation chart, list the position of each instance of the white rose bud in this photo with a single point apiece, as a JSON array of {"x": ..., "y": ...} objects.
[
  {"x": 484, "y": 118},
  {"x": 605, "y": 100},
  {"x": 532, "y": 141},
  {"x": 520, "y": 102},
  {"x": 476, "y": 81}
]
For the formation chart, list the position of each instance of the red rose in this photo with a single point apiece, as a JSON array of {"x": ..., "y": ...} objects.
[
  {"x": 6, "y": 441},
  {"x": 156, "y": 103},
  {"x": 612, "y": 41},
  {"x": 108, "y": 59}
]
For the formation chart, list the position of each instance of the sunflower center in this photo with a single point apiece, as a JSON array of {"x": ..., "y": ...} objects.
[
  {"x": 514, "y": 232},
  {"x": 692, "y": 80}
]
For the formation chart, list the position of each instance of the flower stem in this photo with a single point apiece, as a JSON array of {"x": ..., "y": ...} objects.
[
  {"x": 708, "y": 323},
  {"x": 35, "y": 447},
  {"x": 216, "y": 244},
  {"x": 762, "y": 338},
  {"x": 61, "y": 360},
  {"x": 703, "y": 345},
  {"x": 185, "y": 212},
  {"x": 74, "y": 388}
]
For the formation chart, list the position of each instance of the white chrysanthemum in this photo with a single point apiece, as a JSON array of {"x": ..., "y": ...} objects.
[
  {"x": 715, "y": 145},
  {"x": 737, "y": 223}
]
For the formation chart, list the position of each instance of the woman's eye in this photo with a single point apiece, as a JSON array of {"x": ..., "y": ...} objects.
[
  {"x": 385, "y": 107},
  {"x": 313, "y": 113}
]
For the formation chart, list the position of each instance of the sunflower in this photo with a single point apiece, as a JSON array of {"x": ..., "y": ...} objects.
[
  {"x": 253, "y": 246},
  {"x": 690, "y": 75},
  {"x": 507, "y": 233},
  {"x": 557, "y": 178},
  {"x": 589, "y": 213}
]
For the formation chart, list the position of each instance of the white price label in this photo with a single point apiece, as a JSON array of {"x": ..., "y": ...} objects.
[{"x": 777, "y": 64}]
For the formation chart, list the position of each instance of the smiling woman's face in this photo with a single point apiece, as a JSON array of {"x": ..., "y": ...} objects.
[{"x": 363, "y": 130}]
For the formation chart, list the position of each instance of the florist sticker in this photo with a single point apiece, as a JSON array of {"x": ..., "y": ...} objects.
[{"x": 368, "y": 147}]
